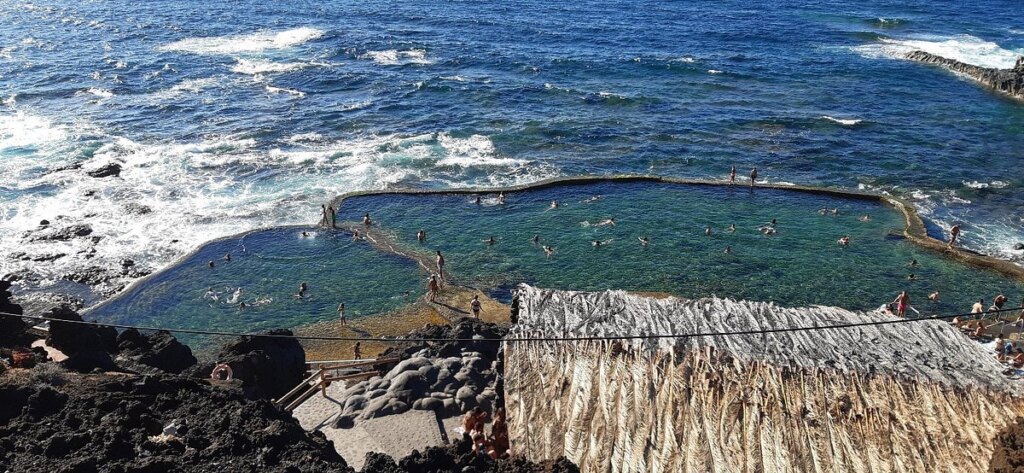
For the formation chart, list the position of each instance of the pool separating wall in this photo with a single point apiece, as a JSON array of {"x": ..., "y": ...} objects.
[{"x": 801, "y": 264}]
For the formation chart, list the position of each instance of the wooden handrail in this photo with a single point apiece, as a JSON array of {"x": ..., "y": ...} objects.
[{"x": 304, "y": 383}]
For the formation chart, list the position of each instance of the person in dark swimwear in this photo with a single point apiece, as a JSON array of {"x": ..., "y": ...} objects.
[
  {"x": 302, "y": 291},
  {"x": 475, "y": 305},
  {"x": 728, "y": 249},
  {"x": 366, "y": 220},
  {"x": 732, "y": 175},
  {"x": 334, "y": 217},
  {"x": 954, "y": 233},
  {"x": 753, "y": 176},
  {"x": 477, "y": 201},
  {"x": 210, "y": 263},
  {"x": 341, "y": 314},
  {"x": 421, "y": 236},
  {"x": 227, "y": 257},
  {"x": 440, "y": 265},
  {"x": 490, "y": 241}
]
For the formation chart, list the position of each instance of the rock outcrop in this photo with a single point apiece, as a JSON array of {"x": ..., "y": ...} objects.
[
  {"x": 159, "y": 350},
  {"x": 267, "y": 366},
  {"x": 1008, "y": 81},
  {"x": 12, "y": 329},
  {"x": 902, "y": 397},
  {"x": 83, "y": 344}
]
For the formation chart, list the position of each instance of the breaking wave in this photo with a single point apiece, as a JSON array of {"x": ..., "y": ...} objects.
[
  {"x": 394, "y": 57},
  {"x": 247, "y": 43},
  {"x": 964, "y": 48}
]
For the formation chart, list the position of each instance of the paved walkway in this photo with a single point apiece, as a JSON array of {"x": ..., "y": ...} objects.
[{"x": 396, "y": 435}]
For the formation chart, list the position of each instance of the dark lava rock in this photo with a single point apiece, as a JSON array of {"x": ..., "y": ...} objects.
[
  {"x": 446, "y": 334},
  {"x": 83, "y": 344},
  {"x": 137, "y": 209},
  {"x": 91, "y": 276},
  {"x": 61, "y": 234},
  {"x": 458, "y": 457},
  {"x": 1019, "y": 246},
  {"x": 160, "y": 350},
  {"x": 107, "y": 170},
  {"x": 12, "y": 329},
  {"x": 44, "y": 222},
  {"x": 267, "y": 366},
  {"x": 113, "y": 424},
  {"x": 1009, "y": 81}
]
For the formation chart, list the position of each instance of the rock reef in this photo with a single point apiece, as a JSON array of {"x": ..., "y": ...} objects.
[
  {"x": 1008, "y": 81},
  {"x": 900, "y": 397}
]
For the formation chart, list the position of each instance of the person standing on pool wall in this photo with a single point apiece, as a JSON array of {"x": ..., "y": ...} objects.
[
  {"x": 902, "y": 301},
  {"x": 440, "y": 265},
  {"x": 334, "y": 217},
  {"x": 954, "y": 233},
  {"x": 341, "y": 314},
  {"x": 732, "y": 175},
  {"x": 753, "y": 176}
]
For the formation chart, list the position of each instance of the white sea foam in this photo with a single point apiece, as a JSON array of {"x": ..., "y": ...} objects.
[
  {"x": 986, "y": 185},
  {"x": 253, "y": 66},
  {"x": 685, "y": 59},
  {"x": 394, "y": 57},
  {"x": 964, "y": 48},
  {"x": 20, "y": 130},
  {"x": 714, "y": 71},
  {"x": 282, "y": 90},
  {"x": 247, "y": 43},
  {"x": 842, "y": 121},
  {"x": 356, "y": 105},
  {"x": 101, "y": 93},
  {"x": 312, "y": 137}
]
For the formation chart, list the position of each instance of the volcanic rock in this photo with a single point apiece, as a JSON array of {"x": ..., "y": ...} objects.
[
  {"x": 1008, "y": 81},
  {"x": 159, "y": 350},
  {"x": 107, "y": 170},
  {"x": 12, "y": 329},
  {"x": 267, "y": 366},
  {"x": 83, "y": 344}
]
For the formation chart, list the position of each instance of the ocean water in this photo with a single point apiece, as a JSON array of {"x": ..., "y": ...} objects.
[
  {"x": 800, "y": 265},
  {"x": 229, "y": 117}
]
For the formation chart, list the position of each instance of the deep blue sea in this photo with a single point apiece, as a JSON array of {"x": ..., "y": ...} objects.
[{"x": 232, "y": 116}]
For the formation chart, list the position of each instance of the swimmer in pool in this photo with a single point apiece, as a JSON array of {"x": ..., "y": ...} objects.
[
  {"x": 227, "y": 257},
  {"x": 707, "y": 230},
  {"x": 865, "y": 218},
  {"x": 421, "y": 236},
  {"x": 490, "y": 241},
  {"x": 606, "y": 222},
  {"x": 644, "y": 241},
  {"x": 844, "y": 241},
  {"x": 732, "y": 228},
  {"x": 302, "y": 291},
  {"x": 728, "y": 249},
  {"x": 549, "y": 250},
  {"x": 536, "y": 239}
]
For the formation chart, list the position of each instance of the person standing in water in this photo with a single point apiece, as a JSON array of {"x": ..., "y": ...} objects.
[
  {"x": 707, "y": 230},
  {"x": 501, "y": 198},
  {"x": 440, "y": 265},
  {"x": 302, "y": 291},
  {"x": 732, "y": 175},
  {"x": 549, "y": 250},
  {"x": 334, "y": 217},
  {"x": 954, "y": 233},
  {"x": 490, "y": 241},
  {"x": 341, "y": 314},
  {"x": 421, "y": 236},
  {"x": 536, "y": 239},
  {"x": 753, "y": 176},
  {"x": 475, "y": 306},
  {"x": 902, "y": 302},
  {"x": 366, "y": 219}
]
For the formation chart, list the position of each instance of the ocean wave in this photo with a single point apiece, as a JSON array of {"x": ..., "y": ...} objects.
[
  {"x": 253, "y": 67},
  {"x": 281, "y": 90},
  {"x": 101, "y": 93},
  {"x": 394, "y": 57},
  {"x": 715, "y": 71},
  {"x": 842, "y": 121},
  {"x": 247, "y": 43},
  {"x": 964, "y": 48},
  {"x": 23, "y": 130},
  {"x": 986, "y": 185}
]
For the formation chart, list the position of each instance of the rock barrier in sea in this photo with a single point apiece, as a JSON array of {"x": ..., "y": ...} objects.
[{"x": 1007, "y": 81}]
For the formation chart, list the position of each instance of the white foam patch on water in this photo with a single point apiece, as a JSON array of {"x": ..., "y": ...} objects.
[
  {"x": 986, "y": 185},
  {"x": 281, "y": 90},
  {"x": 842, "y": 121},
  {"x": 199, "y": 191},
  {"x": 714, "y": 71},
  {"x": 394, "y": 57},
  {"x": 247, "y": 43},
  {"x": 101, "y": 93},
  {"x": 22, "y": 130},
  {"x": 964, "y": 48},
  {"x": 253, "y": 66}
]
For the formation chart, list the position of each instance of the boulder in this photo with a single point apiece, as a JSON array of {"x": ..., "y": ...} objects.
[
  {"x": 83, "y": 344},
  {"x": 159, "y": 350},
  {"x": 1019, "y": 246},
  {"x": 107, "y": 170},
  {"x": 12, "y": 329},
  {"x": 267, "y": 366}
]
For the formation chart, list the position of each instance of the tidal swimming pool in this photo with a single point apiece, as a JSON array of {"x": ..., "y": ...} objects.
[{"x": 801, "y": 264}]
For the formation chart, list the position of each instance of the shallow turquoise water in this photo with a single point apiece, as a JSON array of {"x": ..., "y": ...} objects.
[
  {"x": 800, "y": 265},
  {"x": 269, "y": 266}
]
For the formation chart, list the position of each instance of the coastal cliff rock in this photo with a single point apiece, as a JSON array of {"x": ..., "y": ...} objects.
[
  {"x": 12, "y": 329},
  {"x": 159, "y": 350},
  {"x": 1008, "y": 81},
  {"x": 902, "y": 397},
  {"x": 83, "y": 344},
  {"x": 267, "y": 366}
]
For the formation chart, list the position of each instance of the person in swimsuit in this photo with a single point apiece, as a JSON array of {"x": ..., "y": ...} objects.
[
  {"x": 475, "y": 306},
  {"x": 302, "y": 291},
  {"x": 421, "y": 236},
  {"x": 934, "y": 297},
  {"x": 549, "y": 250},
  {"x": 844, "y": 241},
  {"x": 501, "y": 198},
  {"x": 305, "y": 234},
  {"x": 490, "y": 241},
  {"x": 210, "y": 264},
  {"x": 728, "y": 249},
  {"x": 477, "y": 201},
  {"x": 865, "y": 218},
  {"x": 644, "y": 241},
  {"x": 341, "y": 314},
  {"x": 357, "y": 351},
  {"x": 432, "y": 288},
  {"x": 440, "y": 265},
  {"x": 366, "y": 220},
  {"x": 707, "y": 230},
  {"x": 753, "y": 176},
  {"x": 536, "y": 239},
  {"x": 227, "y": 257},
  {"x": 954, "y": 233},
  {"x": 323, "y": 214},
  {"x": 732, "y": 175},
  {"x": 732, "y": 228},
  {"x": 334, "y": 217},
  {"x": 978, "y": 307},
  {"x": 210, "y": 294},
  {"x": 902, "y": 301},
  {"x": 554, "y": 204},
  {"x": 606, "y": 222},
  {"x": 913, "y": 263}
]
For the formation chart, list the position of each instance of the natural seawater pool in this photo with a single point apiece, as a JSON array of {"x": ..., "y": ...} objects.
[{"x": 800, "y": 265}]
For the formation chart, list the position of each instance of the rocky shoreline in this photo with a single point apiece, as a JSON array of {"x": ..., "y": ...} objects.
[
  {"x": 134, "y": 402},
  {"x": 1007, "y": 81}
]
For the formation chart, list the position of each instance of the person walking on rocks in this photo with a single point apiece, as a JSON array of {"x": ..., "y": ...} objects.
[
  {"x": 954, "y": 233},
  {"x": 753, "y": 176},
  {"x": 432, "y": 288},
  {"x": 475, "y": 306},
  {"x": 341, "y": 314},
  {"x": 440, "y": 265}
]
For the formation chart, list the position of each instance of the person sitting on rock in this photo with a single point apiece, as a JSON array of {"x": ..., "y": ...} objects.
[
  {"x": 1018, "y": 361},
  {"x": 499, "y": 434},
  {"x": 481, "y": 446},
  {"x": 469, "y": 423}
]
